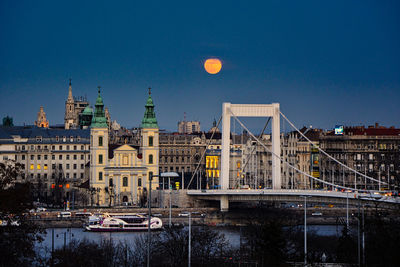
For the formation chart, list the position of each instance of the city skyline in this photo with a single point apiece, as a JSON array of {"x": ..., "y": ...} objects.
[{"x": 326, "y": 64}]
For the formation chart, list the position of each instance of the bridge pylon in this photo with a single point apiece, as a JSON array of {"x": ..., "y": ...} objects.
[{"x": 250, "y": 110}]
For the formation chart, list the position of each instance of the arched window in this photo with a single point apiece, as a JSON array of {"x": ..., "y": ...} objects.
[
  {"x": 125, "y": 181},
  {"x": 150, "y": 159},
  {"x": 100, "y": 140},
  {"x": 139, "y": 182},
  {"x": 150, "y": 140},
  {"x": 110, "y": 182}
]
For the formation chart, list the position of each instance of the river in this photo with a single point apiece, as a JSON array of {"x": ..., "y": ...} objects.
[{"x": 66, "y": 235}]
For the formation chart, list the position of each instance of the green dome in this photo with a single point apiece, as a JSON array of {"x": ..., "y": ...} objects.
[{"x": 87, "y": 111}]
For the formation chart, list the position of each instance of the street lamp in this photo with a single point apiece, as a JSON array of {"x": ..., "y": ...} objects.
[
  {"x": 305, "y": 229},
  {"x": 165, "y": 174}
]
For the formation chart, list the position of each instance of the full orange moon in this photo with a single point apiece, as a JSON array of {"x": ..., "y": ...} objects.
[{"x": 213, "y": 65}]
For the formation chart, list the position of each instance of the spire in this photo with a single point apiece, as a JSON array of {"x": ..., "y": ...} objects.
[
  {"x": 99, "y": 120},
  {"x": 149, "y": 119},
  {"x": 70, "y": 98}
]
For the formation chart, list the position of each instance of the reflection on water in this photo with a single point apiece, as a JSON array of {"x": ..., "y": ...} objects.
[{"x": 232, "y": 235}]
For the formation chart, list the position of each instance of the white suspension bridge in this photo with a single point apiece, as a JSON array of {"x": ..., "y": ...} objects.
[{"x": 340, "y": 193}]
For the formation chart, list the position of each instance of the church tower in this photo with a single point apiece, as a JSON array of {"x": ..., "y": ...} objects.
[
  {"x": 69, "y": 118},
  {"x": 150, "y": 144},
  {"x": 98, "y": 151},
  {"x": 41, "y": 119}
]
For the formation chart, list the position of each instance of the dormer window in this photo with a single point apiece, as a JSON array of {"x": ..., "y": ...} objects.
[
  {"x": 78, "y": 139},
  {"x": 57, "y": 139},
  {"x": 71, "y": 139},
  {"x": 38, "y": 139},
  {"x": 64, "y": 139}
]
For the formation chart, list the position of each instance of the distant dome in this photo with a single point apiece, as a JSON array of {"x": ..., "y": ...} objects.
[{"x": 87, "y": 111}]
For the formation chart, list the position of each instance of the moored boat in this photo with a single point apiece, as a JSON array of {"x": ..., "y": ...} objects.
[{"x": 122, "y": 223}]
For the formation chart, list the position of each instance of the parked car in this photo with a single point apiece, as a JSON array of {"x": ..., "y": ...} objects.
[
  {"x": 316, "y": 214},
  {"x": 64, "y": 214}
]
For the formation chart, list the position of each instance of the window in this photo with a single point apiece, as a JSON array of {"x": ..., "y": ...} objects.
[
  {"x": 110, "y": 182},
  {"x": 53, "y": 166},
  {"x": 82, "y": 157},
  {"x": 139, "y": 182},
  {"x": 38, "y": 139},
  {"x": 75, "y": 157},
  {"x": 53, "y": 147},
  {"x": 38, "y": 167},
  {"x": 71, "y": 139},
  {"x": 67, "y": 175},
  {"x": 67, "y": 147},
  {"x": 23, "y": 147},
  {"x": 100, "y": 140},
  {"x": 60, "y": 148},
  {"x": 64, "y": 139},
  {"x": 32, "y": 167},
  {"x": 78, "y": 138},
  {"x": 150, "y": 140},
  {"x": 125, "y": 160},
  {"x": 67, "y": 167},
  {"x": 53, "y": 157},
  {"x": 45, "y": 166},
  {"x": 74, "y": 166},
  {"x": 23, "y": 157},
  {"x": 32, "y": 157},
  {"x": 57, "y": 139},
  {"x": 151, "y": 175},
  {"x": 45, "y": 176},
  {"x": 82, "y": 166},
  {"x": 150, "y": 159},
  {"x": 82, "y": 148},
  {"x": 60, "y": 166},
  {"x": 38, "y": 157},
  {"x": 67, "y": 157},
  {"x": 100, "y": 159},
  {"x": 125, "y": 181},
  {"x": 75, "y": 148},
  {"x": 100, "y": 176},
  {"x": 45, "y": 157},
  {"x": 82, "y": 175},
  {"x": 60, "y": 157},
  {"x": 74, "y": 175}
]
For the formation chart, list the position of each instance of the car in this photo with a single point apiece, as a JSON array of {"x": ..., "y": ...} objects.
[
  {"x": 183, "y": 214},
  {"x": 156, "y": 214},
  {"x": 64, "y": 214},
  {"x": 316, "y": 213},
  {"x": 41, "y": 209}
]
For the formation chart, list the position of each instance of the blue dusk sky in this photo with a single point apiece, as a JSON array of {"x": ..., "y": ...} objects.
[{"x": 325, "y": 62}]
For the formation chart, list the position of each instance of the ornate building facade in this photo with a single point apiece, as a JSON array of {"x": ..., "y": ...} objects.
[{"x": 120, "y": 173}]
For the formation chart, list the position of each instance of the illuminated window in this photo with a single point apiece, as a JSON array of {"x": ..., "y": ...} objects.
[
  {"x": 238, "y": 164},
  {"x": 38, "y": 167},
  {"x": 125, "y": 181},
  {"x": 32, "y": 167},
  {"x": 45, "y": 166}
]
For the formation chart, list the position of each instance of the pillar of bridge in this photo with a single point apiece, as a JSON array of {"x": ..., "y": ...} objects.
[
  {"x": 250, "y": 110},
  {"x": 224, "y": 203}
]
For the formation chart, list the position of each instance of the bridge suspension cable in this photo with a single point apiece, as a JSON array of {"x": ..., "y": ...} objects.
[
  {"x": 329, "y": 156},
  {"x": 205, "y": 150},
  {"x": 287, "y": 163}
]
